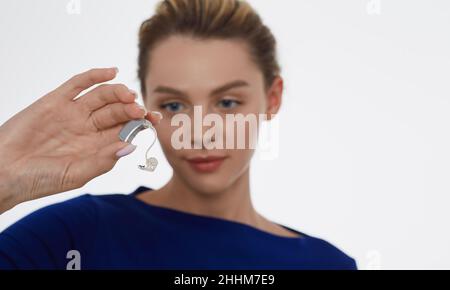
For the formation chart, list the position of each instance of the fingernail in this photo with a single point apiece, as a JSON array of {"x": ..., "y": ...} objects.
[
  {"x": 126, "y": 150},
  {"x": 144, "y": 109},
  {"x": 157, "y": 114},
  {"x": 116, "y": 69},
  {"x": 133, "y": 92}
]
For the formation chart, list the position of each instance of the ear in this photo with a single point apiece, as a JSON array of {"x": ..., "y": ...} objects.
[{"x": 274, "y": 96}]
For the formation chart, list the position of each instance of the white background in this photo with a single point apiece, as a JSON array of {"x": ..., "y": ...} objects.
[{"x": 364, "y": 142}]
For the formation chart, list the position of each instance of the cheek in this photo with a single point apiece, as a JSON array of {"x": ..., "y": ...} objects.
[
  {"x": 239, "y": 161},
  {"x": 255, "y": 106},
  {"x": 165, "y": 135}
]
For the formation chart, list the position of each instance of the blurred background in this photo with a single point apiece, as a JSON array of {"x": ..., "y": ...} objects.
[{"x": 363, "y": 156}]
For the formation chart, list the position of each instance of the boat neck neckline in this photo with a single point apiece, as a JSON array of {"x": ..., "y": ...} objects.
[{"x": 167, "y": 210}]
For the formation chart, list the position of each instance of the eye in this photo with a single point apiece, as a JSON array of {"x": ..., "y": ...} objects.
[
  {"x": 228, "y": 103},
  {"x": 173, "y": 107}
]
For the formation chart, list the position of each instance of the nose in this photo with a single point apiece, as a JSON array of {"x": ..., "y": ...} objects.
[{"x": 200, "y": 140}]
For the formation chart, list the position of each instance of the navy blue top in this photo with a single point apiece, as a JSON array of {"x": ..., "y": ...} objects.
[{"x": 119, "y": 231}]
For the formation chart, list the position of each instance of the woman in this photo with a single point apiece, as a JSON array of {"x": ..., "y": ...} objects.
[{"x": 214, "y": 55}]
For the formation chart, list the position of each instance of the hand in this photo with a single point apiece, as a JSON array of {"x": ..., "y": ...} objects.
[{"x": 61, "y": 142}]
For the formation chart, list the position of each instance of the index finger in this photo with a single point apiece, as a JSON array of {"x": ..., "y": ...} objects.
[{"x": 80, "y": 82}]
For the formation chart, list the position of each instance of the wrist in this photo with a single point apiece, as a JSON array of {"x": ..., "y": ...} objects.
[
  {"x": 7, "y": 197},
  {"x": 10, "y": 194}
]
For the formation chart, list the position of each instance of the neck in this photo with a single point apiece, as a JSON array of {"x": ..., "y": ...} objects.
[{"x": 233, "y": 203}]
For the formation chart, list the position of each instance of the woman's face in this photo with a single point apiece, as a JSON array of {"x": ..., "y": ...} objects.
[{"x": 219, "y": 77}]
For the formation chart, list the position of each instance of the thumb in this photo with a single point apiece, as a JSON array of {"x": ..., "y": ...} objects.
[{"x": 104, "y": 160}]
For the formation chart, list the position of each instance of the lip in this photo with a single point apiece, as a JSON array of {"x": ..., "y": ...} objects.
[{"x": 206, "y": 164}]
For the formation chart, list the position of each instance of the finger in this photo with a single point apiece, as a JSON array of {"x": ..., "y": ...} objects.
[
  {"x": 114, "y": 114},
  {"x": 80, "y": 82},
  {"x": 110, "y": 135},
  {"x": 102, "y": 161},
  {"x": 107, "y": 94},
  {"x": 154, "y": 117}
]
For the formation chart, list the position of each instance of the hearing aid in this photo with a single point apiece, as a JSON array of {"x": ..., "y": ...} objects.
[{"x": 130, "y": 131}]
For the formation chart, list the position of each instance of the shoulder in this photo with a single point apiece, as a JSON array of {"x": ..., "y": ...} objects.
[
  {"x": 67, "y": 216},
  {"x": 83, "y": 207},
  {"x": 42, "y": 238},
  {"x": 325, "y": 255}
]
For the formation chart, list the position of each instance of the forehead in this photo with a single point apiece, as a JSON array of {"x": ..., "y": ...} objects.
[{"x": 184, "y": 62}]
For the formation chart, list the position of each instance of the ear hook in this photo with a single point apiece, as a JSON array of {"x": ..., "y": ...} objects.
[
  {"x": 130, "y": 130},
  {"x": 150, "y": 162}
]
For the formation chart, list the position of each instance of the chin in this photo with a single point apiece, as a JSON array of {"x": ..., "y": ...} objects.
[{"x": 208, "y": 184}]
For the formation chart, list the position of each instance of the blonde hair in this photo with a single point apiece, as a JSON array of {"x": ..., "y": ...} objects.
[{"x": 203, "y": 19}]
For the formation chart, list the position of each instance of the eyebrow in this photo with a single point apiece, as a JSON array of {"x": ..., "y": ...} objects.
[{"x": 216, "y": 91}]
